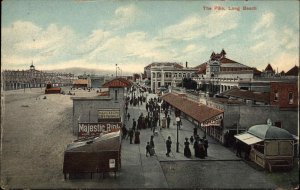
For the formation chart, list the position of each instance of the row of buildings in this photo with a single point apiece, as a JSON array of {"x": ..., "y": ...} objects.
[
  {"x": 216, "y": 75},
  {"x": 32, "y": 78},
  {"x": 232, "y": 96}
]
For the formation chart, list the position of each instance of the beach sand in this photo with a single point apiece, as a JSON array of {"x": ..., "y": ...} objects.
[{"x": 35, "y": 133}]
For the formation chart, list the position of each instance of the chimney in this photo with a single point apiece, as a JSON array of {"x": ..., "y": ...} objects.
[{"x": 186, "y": 64}]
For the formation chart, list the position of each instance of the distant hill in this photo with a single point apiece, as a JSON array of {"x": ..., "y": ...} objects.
[{"x": 79, "y": 71}]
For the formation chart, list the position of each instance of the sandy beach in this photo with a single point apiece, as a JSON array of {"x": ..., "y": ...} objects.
[{"x": 35, "y": 134}]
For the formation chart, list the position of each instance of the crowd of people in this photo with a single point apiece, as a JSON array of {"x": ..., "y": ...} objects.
[{"x": 151, "y": 120}]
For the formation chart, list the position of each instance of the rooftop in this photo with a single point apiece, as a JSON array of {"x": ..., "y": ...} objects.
[
  {"x": 106, "y": 142},
  {"x": 247, "y": 94},
  {"x": 269, "y": 68},
  {"x": 117, "y": 83},
  {"x": 80, "y": 81},
  {"x": 266, "y": 132},
  {"x": 173, "y": 64},
  {"x": 293, "y": 71},
  {"x": 197, "y": 111}
]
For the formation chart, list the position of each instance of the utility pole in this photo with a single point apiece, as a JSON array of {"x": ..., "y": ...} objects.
[{"x": 178, "y": 123}]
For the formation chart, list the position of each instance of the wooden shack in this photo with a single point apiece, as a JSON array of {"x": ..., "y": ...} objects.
[
  {"x": 93, "y": 155},
  {"x": 271, "y": 147},
  {"x": 52, "y": 90}
]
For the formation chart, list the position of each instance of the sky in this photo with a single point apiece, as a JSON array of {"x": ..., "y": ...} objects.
[{"x": 94, "y": 34}]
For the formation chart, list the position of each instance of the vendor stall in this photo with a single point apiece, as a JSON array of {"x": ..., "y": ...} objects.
[
  {"x": 271, "y": 147},
  {"x": 93, "y": 155}
]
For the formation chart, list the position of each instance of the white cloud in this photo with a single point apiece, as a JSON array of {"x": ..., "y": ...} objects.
[
  {"x": 195, "y": 26},
  {"x": 137, "y": 45},
  {"x": 185, "y": 30},
  {"x": 124, "y": 16},
  {"x": 265, "y": 21},
  {"x": 52, "y": 37},
  {"x": 289, "y": 38},
  {"x": 283, "y": 61},
  {"x": 258, "y": 47},
  {"x": 190, "y": 48},
  {"x": 24, "y": 42},
  {"x": 88, "y": 44},
  {"x": 274, "y": 44}
]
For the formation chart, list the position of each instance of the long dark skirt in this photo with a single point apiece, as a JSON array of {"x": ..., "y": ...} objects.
[{"x": 187, "y": 152}]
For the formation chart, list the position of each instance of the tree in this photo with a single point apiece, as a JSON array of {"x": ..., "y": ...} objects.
[
  {"x": 188, "y": 83},
  {"x": 136, "y": 76}
]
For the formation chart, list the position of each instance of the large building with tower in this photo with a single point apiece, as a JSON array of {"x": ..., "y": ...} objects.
[
  {"x": 32, "y": 78},
  {"x": 220, "y": 74}
]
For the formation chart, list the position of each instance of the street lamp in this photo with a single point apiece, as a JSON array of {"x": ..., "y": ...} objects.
[
  {"x": 116, "y": 70},
  {"x": 178, "y": 124}
]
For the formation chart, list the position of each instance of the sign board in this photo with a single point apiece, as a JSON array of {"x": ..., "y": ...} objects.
[
  {"x": 112, "y": 163},
  {"x": 215, "y": 121},
  {"x": 94, "y": 129},
  {"x": 109, "y": 114}
]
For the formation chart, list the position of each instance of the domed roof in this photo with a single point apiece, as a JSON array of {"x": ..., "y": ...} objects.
[{"x": 269, "y": 132}]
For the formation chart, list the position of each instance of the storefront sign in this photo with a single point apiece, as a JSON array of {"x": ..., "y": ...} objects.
[
  {"x": 108, "y": 114},
  {"x": 94, "y": 129},
  {"x": 215, "y": 121},
  {"x": 112, "y": 163}
]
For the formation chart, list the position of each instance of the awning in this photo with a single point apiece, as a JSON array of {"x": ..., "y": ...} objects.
[
  {"x": 194, "y": 109},
  {"x": 248, "y": 138}
]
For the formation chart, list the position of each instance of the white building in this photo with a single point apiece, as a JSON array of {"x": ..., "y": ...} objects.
[
  {"x": 219, "y": 74},
  {"x": 166, "y": 74}
]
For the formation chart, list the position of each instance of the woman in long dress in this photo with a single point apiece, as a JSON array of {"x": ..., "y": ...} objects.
[{"x": 187, "y": 151}]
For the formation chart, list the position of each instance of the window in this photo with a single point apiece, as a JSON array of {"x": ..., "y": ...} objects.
[
  {"x": 116, "y": 95},
  {"x": 291, "y": 97},
  {"x": 179, "y": 75},
  {"x": 168, "y": 75},
  {"x": 276, "y": 95},
  {"x": 175, "y": 75}
]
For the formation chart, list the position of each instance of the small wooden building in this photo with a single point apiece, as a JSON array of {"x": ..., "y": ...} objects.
[
  {"x": 271, "y": 147},
  {"x": 80, "y": 83},
  {"x": 93, "y": 155},
  {"x": 52, "y": 90}
]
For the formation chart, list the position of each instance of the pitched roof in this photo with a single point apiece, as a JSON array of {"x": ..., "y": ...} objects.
[
  {"x": 117, "y": 83},
  {"x": 249, "y": 95},
  {"x": 176, "y": 65},
  {"x": 256, "y": 71},
  {"x": 201, "y": 68},
  {"x": 269, "y": 68},
  {"x": 199, "y": 112},
  {"x": 225, "y": 60},
  {"x": 293, "y": 71}
]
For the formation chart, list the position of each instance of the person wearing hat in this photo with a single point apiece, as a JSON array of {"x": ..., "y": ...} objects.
[
  {"x": 168, "y": 145},
  {"x": 187, "y": 151}
]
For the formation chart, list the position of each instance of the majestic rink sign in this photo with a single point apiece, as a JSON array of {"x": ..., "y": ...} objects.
[{"x": 95, "y": 129}]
